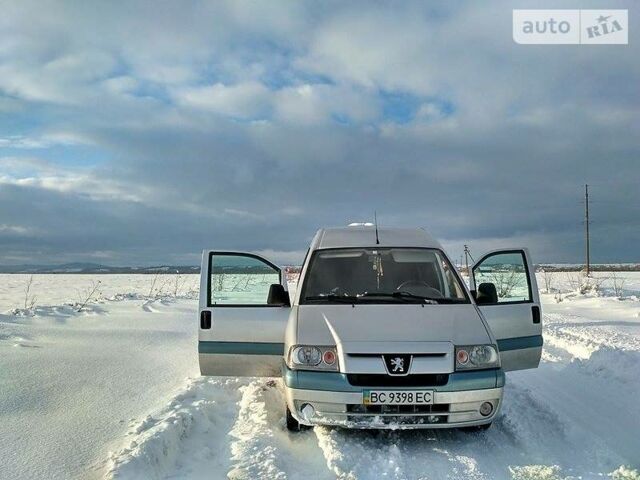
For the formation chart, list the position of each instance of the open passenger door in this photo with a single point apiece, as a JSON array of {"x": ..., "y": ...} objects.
[
  {"x": 244, "y": 308},
  {"x": 507, "y": 294}
]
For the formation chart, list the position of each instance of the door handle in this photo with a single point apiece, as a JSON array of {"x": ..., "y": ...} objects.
[
  {"x": 205, "y": 319},
  {"x": 535, "y": 313}
]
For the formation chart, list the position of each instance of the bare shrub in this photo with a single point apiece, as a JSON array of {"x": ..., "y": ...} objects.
[
  {"x": 163, "y": 284},
  {"x": 618, "y": 282},
  {"x": 579, "y": 282},
  {"x": 592, "y": 284},
  {"x": 505, "y": 282},
  {"x": 574, "y": 280},
  {"x": 219, "y": 281},
  {"x": 548, "y": 278},
  {"x": 241, "y": 284},
  {"x": 178, "y": 283},
  {"x": 29, "y": 298},
  {"x": 192, "y": 288},
  {"x": 153, "y": 284},
  {"x": 88, "y": 295}
]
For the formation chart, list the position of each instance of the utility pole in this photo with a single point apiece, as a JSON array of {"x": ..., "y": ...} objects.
[
  {"x": 586, "y": 230},
  {"x": 466, "y": 258}
]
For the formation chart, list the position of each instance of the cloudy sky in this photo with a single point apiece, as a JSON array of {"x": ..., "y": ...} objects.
[{"x": 142, "y": 132}]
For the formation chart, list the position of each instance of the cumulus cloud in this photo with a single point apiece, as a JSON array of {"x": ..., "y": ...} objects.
[
  {"x": 244, "y": 100},
  {"x": 16, "y": 229},
  {"x": 316, "y": 104},
  {"x": 168, "y": 128}
]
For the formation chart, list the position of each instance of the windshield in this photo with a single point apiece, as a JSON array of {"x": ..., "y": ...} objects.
[{"x": 381, "y": 275}]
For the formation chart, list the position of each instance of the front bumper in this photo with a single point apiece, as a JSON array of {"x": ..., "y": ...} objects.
[{"x": 336, "y": 402}]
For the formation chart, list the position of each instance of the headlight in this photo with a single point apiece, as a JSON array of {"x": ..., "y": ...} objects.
[
  {"x": 476, "y": 357},
  {"x": 312, "y": 357}
]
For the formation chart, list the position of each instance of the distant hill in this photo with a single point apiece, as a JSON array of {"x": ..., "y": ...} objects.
[
  {"x": 79, "y": 267},
  {"x": 595, "y": 267}
]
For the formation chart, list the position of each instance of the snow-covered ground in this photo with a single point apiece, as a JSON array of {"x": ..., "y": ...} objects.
[
  {"x": 113, "y": 390},
  {"x": 72, "y": 384}
]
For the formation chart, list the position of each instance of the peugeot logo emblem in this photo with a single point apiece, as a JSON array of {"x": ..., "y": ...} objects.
[{"x": 397, "y": 364}]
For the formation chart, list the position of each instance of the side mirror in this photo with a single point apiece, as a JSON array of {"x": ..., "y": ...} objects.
[
  {"x": 278, "y": 296},
  {"x": 486, "y": 293}
]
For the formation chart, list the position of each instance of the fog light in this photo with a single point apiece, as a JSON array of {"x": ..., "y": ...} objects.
[
  {"x": 486, "y": 408},
  {"x": 307, "y": 411}
]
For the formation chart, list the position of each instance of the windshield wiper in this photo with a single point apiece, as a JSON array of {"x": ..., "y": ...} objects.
[
  {"x": 333, "y": 298},
  {"x": 401, "y": 295}
]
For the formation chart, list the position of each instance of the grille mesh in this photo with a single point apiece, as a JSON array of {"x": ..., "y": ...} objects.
[{"x": 399, "y": 409}]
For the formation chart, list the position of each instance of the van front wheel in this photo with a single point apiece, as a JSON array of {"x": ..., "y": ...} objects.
[{"x": 292, "y": 424}]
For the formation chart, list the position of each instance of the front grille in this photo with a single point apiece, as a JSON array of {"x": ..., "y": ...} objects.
[
  {"x": 384, "y": 380},
  {"x": 397, "y": 414},
  {"x": 397, "y": 409}
]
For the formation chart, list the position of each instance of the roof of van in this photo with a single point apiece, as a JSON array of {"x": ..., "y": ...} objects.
[{"x": 365, "y": 236}]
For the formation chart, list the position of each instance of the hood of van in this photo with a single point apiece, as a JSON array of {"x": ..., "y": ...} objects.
[{"x": 353, "y": 327}]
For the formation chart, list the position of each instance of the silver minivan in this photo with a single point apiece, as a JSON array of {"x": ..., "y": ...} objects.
[{"x": 382, "y": 331}]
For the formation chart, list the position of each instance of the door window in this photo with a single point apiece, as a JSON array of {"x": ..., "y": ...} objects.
[
  {"x": 240, "y": 279},
  {"x": 507, "y": 271}
]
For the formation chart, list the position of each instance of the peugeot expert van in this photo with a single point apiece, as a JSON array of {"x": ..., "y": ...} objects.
[{"x": 382, "y": 331}]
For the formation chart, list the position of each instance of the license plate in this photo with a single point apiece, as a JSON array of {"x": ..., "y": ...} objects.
[{"x": 397, "y": 397}]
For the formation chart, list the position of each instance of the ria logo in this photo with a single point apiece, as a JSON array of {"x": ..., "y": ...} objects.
[
  {"x": 570, "y": 27},
  {"x": 604, "y": 27},
  {"x": 397, "y": 364}
]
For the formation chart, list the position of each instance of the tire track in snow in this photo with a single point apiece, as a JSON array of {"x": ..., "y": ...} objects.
[
  {"x": 594, "y": 349},
  {"x": 252, "y": 456},
  {"x": 588, "y": 378},
  {"x": 411, "y": 454},
  {"x": 582, "y": 338},
  {"x": 220, "y": 428},
  {"x": 359, "y": 454},
  {"x": 252, "y": 442},
  {"x": 551, "y": 420},
  {"x": 579, "y": 435},
  {"x": 192, "y": 427},
  {"x": 261, "y": 447}
]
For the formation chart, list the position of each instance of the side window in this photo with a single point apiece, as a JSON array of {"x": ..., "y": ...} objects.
[
  {"x": 507, "y": 271},
  {"x": 240, "y": 279}
]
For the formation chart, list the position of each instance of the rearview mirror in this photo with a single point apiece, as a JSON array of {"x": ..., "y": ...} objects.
[
  {"x": 486, "y": 293},
  {"x": 278, "y": 296}
]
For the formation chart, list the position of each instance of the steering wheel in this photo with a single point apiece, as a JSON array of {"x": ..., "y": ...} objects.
[{"x": 418, "y": 287}]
